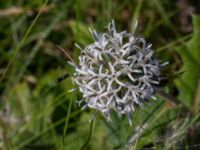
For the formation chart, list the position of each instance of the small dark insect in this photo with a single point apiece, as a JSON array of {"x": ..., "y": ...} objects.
[{"x": 62, "y": 77}]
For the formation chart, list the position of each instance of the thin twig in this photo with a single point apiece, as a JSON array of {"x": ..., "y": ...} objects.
[
  {"x": 66, "y": 55},
  {"x": 19, "y": 10}
]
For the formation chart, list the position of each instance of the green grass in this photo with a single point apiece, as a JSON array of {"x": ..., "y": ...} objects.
[{"x": 38, "y": 113}]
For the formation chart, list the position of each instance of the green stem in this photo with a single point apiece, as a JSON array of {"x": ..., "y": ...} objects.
[{"x": 84, "y": 146}]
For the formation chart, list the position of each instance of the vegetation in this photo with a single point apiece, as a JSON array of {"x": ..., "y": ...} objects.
[{"x": 36, "y": 109}]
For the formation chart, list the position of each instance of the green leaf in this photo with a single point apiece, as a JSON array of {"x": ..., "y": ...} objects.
[
  {"x": 188, "y": 83},
  {"x": 81, "y": 33}
]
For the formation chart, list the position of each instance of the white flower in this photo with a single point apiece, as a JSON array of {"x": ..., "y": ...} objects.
[{"x": 116, "y": 72}]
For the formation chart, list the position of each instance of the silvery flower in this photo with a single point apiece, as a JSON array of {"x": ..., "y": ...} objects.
[{"x": 117, "y": 72}]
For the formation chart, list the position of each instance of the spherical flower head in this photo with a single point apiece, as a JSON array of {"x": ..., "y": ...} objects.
[{"x": 117, "y": 72}]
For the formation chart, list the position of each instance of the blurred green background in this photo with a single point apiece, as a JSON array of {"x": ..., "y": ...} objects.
[{"x": 37, "y": 113}]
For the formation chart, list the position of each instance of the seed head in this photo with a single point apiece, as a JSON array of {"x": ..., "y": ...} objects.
[{"x": 117, "y": 72}]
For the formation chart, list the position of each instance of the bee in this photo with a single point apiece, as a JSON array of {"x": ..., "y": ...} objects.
[{"x": 62, "y": 78}]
